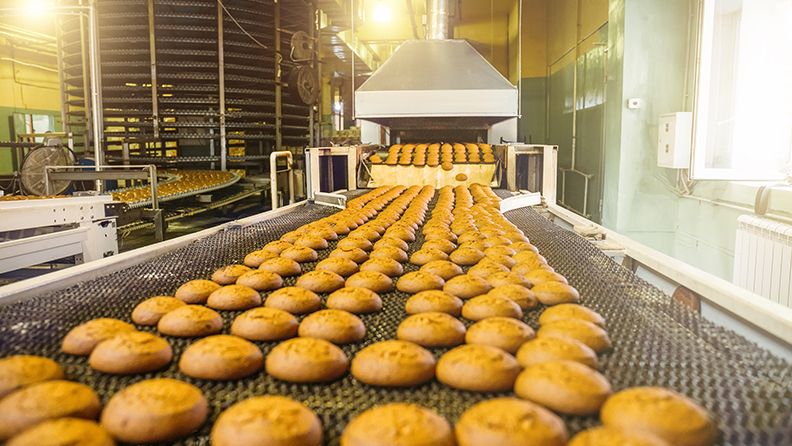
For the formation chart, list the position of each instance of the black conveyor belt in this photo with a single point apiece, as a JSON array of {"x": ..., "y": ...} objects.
[{"x": 656, "y": 342}]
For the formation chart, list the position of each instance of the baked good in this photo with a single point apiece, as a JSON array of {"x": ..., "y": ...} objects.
[
  {"x": 234, "y": 297},
  {"x": 443, "y": 268},
  {"x": 356, "y": 255},
  {"x": 294, "y": 300},
  {"x": 529, "y": 263},
  {"x": 612, "y": 436},
  {"x": 131, "y": 352},
  {"x": 267, "y": 421},
  {"x": 256, "y": 258},
  {"x": 18, "y": 371},
  {"x": 355, "y": 242},
  {"x": 389, "y": 252},
  {"x": 507, "y": 278},
  {"x": 260, "y": 280},
  {"x": 44, "y": 401},
  {"x": 570, "y": 311},
  {"x": 155, "y": 410},
  {"x": 467, "y": 286},
  {"x": 265, "y": 324},
  {"x": 152, "y": 309},
  {"x": 196, "y": 291},
  {"x": 402, "y": 232},
  {"x": 519, "y": 294},
  {"x": 486, "y": 268},
  {"x": 500, "y": 259},
  {"x": 191, "y": 321},
  {"x": 505, "y": 333},
  {"x": 566, "y": 387},
  {"x": 320, "y": 281},
  {"x": 541, "y": 275},
  {"x": 525, "y": 251},
  {"x": 554, "y": 293},
  {"x": 229, "y": 274},
  {"x": 336, "y": 326},
  {"x": 64, "y": 432},
  {"x": 306, "y": 360},
  {"x": 465, "y": 255},
  {"x": 82, "y": 339},
  {"x": 277, "y": 246},
  {"x": 339, "y": 265},
  {"x": 660, "y": 412},
  {"x": 426, "y": 255},
  {"x": 300, "y": 254},
  {"x": 367, "y": 233},
  {"x": 389, "y": 267},
  {"x": 417, "y": 281},
  {"x": 372, "y": 280},
  {"x": 499, "y": 250},
  {"x": 482, "y": 307},
  {"x": 398, "y": 424},
  {"x": 221, "y": 358},
  {"x": 445, "y": 245},
  {"x": 510, "y": 422},
  {"x": 592, "y": 335},
  {"x": 479, "y": 368},
  {"x": 552, "y": 348},
  {"x": 281, "y": 266},
  {"x": 432, "y": 329},
  {"x": 433, "y": 301},
  {"x": 393, "y": 364},
  {"x": 355, "y": 300},
  {"x": 392, "y": 241},
  {"x": 311, "y": 241}
]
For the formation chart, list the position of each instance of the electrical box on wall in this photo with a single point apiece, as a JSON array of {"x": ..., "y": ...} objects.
[{"x": 674, "y": 138}]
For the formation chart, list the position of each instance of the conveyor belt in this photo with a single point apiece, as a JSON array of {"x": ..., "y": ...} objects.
[{"x": 748, "y": 391}]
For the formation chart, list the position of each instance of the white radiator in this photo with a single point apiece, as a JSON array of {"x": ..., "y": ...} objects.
[{"x": 763, "y": 258}]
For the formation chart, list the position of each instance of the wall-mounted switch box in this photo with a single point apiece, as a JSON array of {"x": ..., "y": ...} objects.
[
  {"x": 674, "y": 138},
  {"x": 634, "y": 103}
]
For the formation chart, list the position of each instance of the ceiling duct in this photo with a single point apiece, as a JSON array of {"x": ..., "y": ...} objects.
[{"x": 437, "y": 28}]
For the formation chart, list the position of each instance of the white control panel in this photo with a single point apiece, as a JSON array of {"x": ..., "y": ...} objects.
[{"x": 674, "y": 138}]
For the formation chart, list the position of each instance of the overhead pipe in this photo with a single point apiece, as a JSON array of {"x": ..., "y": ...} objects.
[{"x": 438, "y": 18}]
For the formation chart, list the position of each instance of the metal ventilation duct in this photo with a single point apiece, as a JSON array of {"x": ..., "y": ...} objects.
[{"x": 438, "y": 20}]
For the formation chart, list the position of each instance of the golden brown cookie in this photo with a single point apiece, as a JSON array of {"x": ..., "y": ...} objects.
[
  {"x": 311, "y": 241},
  {"x": 196, "y": 291},
  {"x": 372, "y": 280},
  {"x": 542, "y": 275},
  {"x": 426, "y": 255},
  {"x": 417, "y": 281},
  {"x": 432, "y": 329},
  {"x": 277, "y": 246},
  {"x": 389, "y": 267},
  {"x": 234, "y": 297},
  {"x": 229, "y": 274},
  {"x": 152, "y": 309},
  {"x": 570, "y": 311},
  {"x": 566, "y": 387},
  {"x": 393, "y": 364},
  {"x": 294, "y": 300},
  {"x": 260, "y": 280},
  {"x": 389, "y": 252},
  {"x": 265, "y": 324},
  {"x": 466, "y": 256},
  {"x": 447, "y": 246},
  {"x": 388, "y": 241},
  {"x": 300, "y": 254},
  {"x": 443, "y": 268},
  {"x": 660, "y": 412},
  {"x": 191, "y": 321},
  {"x": 221, "y": 358},
  {"x": 507, "y": 278},
  {"x": 256, "y": 258},
  {"x": 482, "y": 307},
  {"x": 281, "y": 266},
  {"x": 498, "y": 251},
  {"x": 356, "y": 255},
  {"x": 521, "y": 295},
  {"x": 510, "y": 422},
  {"x": 336, "y": 326},
  {"x": 612, "y": 436},
  {"x": 592, "y": 335},
  {"x": 306, "y": 360},
  {"x": 18, "y": 371},
  {"x": 467, "y": 286},
  {"x": 64, "y": 432},
  {"x": 554, "y": 293},
  {"x": 341, "y": 266},
  {"x": 387, "y": 425},
  {"x": 82, "y": 339},
  {"x": 43, "y": 401},
  {"x": 434, "y": 301},
  {"x": 552, "y": 348},
  {"x": 479, "y": 368},
  {"x": 505, "y": 333},
  {"x": 355, "y": 300},
  {"x": 500, "y": 259},
  {"x": 267, "y": 420},
  {"x": 356, "y": 242},
  {"x": 487, "y": 268},
  {"x": 131, "y": 352},
  {"x": 154, "y": 411},
  {"x": 320, "y": 281}
]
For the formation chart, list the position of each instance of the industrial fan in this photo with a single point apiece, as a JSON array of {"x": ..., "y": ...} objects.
[{"x": 52, "y": 153}]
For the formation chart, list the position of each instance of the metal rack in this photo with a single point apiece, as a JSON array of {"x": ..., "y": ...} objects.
[{"x": 188, "y": 79}]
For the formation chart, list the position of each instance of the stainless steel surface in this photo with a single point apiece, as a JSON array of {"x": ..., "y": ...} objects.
[{"x": 437, "y": 20}]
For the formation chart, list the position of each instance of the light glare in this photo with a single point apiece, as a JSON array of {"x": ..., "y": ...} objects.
[
  {"x": 37, "y": 8},
  {"x": 382, "y": 13}
]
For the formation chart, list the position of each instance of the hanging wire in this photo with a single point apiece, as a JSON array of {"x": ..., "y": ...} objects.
[{"x": 240, "y": 26}]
